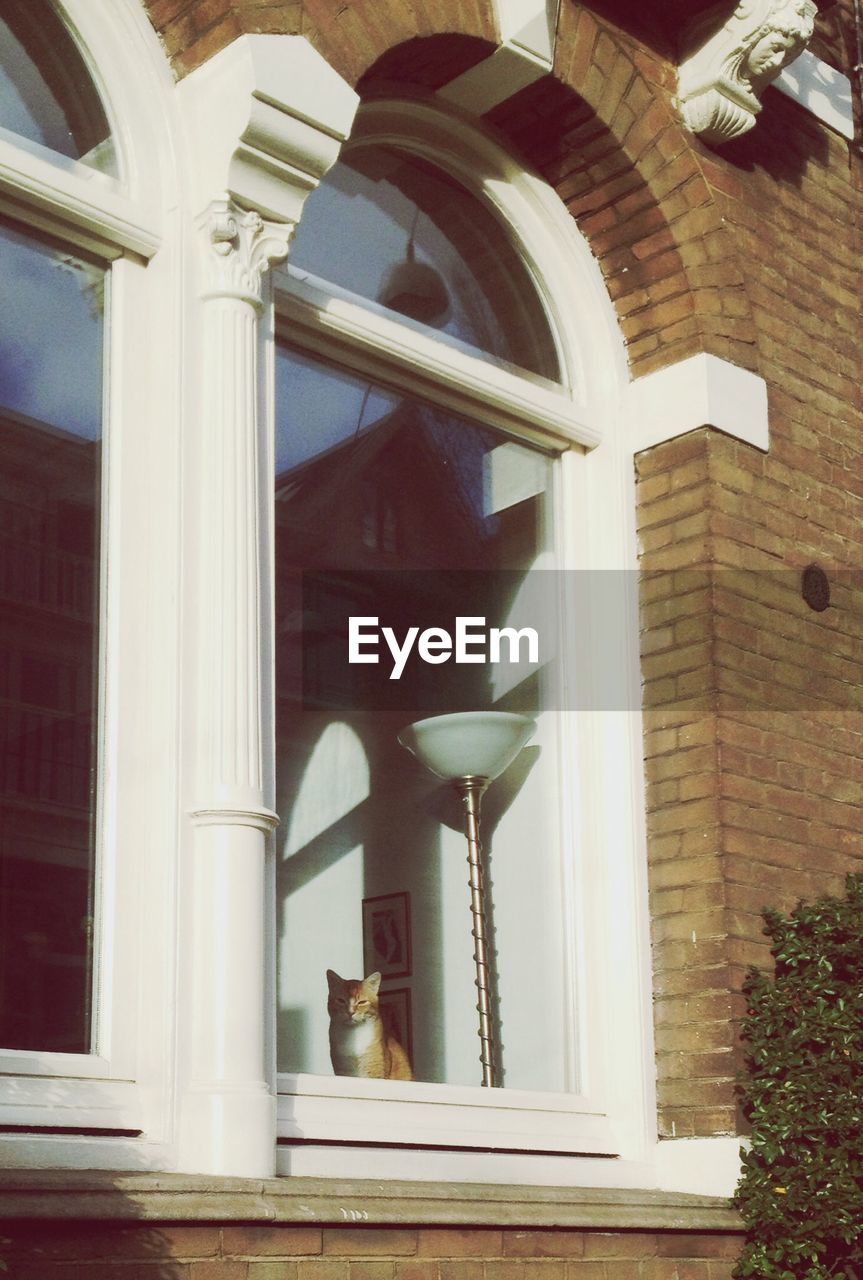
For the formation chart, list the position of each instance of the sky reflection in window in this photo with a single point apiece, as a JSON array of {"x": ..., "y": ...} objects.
[
  {"x": 398, "y": 231},
  {"x": 51, "y": 335},
  {"x": 46, "y": 93}
]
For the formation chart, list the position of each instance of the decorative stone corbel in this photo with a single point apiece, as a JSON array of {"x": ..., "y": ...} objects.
[
  {"x": 726, "y": 70},
  {"x": 267, "y": 117},
  {"x": 240, "y": 247}
]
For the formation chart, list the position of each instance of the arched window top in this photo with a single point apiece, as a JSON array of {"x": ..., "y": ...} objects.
[
  {"x": 394, "y": 228},
  {"x": 47, "y": 94}
]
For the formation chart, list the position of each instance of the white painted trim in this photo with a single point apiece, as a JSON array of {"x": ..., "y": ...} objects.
[
  {"x": 339, "y": 1109},
  {"x": 73, "y": 200},
  {"x": 71, "y": 1102},
  {"x": 614, "y": 1110},
  {"x": 267, "y": 117},
  {"x": 365, "y": 336},
  {"x": 506, "y": 71},
  {"x": 489, "y": 1168},
  {"x": 529, "y": 23},
  {"x": 693, "y": 1166},
  {"x": 123, "y": 1083},
  {"x": 701, "y": 391},
  {"x": 160, "y": 526},
  {"x": 83, "y": 1151},
  {"x": 35, "y": 1062},
  {"x": 821, "y": 89},
  {"x": 409, "y": 1121},
  {"x": 526, "y": 53},
  {"x": 700, "y": 1166},
  {"x": 126, "y": 60}
]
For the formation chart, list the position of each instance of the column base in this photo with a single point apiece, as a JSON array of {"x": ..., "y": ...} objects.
[{"x": 228, "y": 1131}]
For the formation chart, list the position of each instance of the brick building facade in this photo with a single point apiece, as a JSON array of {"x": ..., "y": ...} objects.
[{"x": 733, "y": 270}]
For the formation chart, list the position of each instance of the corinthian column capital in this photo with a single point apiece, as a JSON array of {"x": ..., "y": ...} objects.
[{"x": 240, "y": 246}]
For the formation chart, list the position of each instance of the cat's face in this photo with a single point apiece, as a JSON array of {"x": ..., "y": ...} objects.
[{"x": 353, "y": 1001}]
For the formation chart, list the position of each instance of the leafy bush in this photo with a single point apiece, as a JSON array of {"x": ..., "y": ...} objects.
[{"x": 801, "y": 1194}]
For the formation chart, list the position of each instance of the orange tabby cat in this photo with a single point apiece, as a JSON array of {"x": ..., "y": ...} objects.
[{"x": 360, "y": 1045}]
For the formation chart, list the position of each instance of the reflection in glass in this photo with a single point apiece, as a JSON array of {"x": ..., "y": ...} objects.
[
  {"x": 51, "y": 335},
  {"x": 368, "y": 480},
  {"x": 50, "y": 412},
  {"x": 46, "y": 92},
  {"x": 397, "y": 230}
]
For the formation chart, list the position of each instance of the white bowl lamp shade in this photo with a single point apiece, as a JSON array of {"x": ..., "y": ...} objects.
[{"x": 476, "y": 744}]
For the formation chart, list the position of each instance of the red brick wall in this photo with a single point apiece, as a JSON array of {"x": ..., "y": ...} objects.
[
  {"x": 692, "y": 976},
  {"x": 605, "y": 134},
  {"x": 753, "y": 747},
  {"x": 351, "y": 35},
  {"x": 97, "y": 1251},
  {"x": 834, "y": 34},
  {"x": 755, "y": 787}
]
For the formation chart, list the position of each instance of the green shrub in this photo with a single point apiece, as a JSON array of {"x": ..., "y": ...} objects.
[{"x": 801, "y": 1193}]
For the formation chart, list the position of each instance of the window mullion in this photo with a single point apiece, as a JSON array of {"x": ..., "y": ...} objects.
[
  {"x": 70, "y": 200},
  {"x": 358, "y": 335}
]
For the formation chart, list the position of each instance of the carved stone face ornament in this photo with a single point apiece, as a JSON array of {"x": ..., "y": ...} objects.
[
  {"x": 728, "y": 68},
  {"x": 769, "y": 55}
]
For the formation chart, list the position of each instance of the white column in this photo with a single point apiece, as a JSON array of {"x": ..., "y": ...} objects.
[
  {"x": 229, "y": 1107},
  {"x": 266, "y": 119}
]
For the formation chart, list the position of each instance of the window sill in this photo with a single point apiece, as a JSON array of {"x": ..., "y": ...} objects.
[
  {"x": 418, "y": 1114},
  {"x": 82, "y": 1195}
]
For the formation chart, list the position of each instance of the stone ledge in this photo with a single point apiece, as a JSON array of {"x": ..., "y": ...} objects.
[{"x": 96, "y": 1196}]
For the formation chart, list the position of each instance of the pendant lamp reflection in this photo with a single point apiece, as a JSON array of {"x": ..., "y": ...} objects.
[
  {"x": 415, "y": 289},
  {"x": 470, "y": 749}
]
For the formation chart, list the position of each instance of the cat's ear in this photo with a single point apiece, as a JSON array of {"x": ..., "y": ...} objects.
[
  {"x": 334, "y": 981},
  {"x": 373, "y": 982}
]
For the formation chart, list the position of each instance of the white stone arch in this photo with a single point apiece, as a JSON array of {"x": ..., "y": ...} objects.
[{"x": 131, "y": 70}]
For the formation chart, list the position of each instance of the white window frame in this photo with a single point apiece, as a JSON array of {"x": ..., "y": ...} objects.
[
  {"x": 114, "y": 1090},
  {"x": 260, "y": 122},
  {"x": 614, "y": 1115}
]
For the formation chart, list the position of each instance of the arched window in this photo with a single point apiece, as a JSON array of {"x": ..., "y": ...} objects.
[
  {"x": 431, "y": 398},
  {"x": 50, "y": 491},
  {"x": 444, "y": 371},
  {"x": 421, "y": 245},
  {"x": 75, "y": 236},
  {"x": 51, "y": 393}
]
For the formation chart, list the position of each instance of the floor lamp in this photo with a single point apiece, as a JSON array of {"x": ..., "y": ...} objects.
[{"x": 470, "y": 749}]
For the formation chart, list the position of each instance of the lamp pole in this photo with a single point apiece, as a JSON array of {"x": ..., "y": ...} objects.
[
  {"x": 470, "y": 790},
  {"x": 470, "y": 749}
]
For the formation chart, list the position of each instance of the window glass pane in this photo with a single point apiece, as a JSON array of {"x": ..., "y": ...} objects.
[
  {"x": 50, "y": 416},
  {"x": 46, "y": 93},
  {"x": 395, "y": 229},
  {"x": 388, "y": 505}
]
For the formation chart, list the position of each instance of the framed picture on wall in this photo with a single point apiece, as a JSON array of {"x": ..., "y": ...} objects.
[
  {"x": 387, "y": 935},
  {"x": 395, "y": 1007}
]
